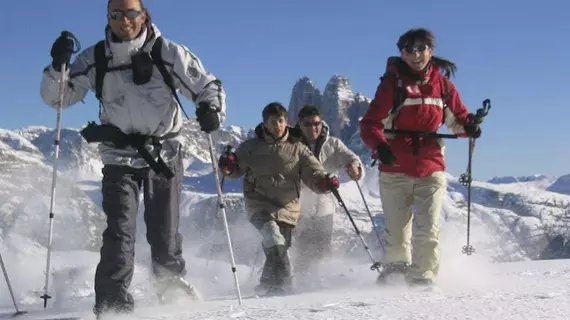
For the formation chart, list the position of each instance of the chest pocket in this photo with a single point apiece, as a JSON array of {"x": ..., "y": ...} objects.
[{"x": 272, "y": 166}]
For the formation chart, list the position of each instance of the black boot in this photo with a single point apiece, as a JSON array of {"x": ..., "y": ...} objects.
[
  {"x": 122, "y": 303},
  {"x": 267, "y": 279},
  {"x": 276, "y": 276},
  {"x": 283, "y": 279},
  {"x": 392, "y": 268}
]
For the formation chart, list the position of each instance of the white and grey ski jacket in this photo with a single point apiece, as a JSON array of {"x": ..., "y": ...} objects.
[
  {"x": 334, "y": 156},
  {"x": 147, "y": 109}
]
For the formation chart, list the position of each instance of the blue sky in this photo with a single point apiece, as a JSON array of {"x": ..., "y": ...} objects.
[{"x": 514, "y": 52}]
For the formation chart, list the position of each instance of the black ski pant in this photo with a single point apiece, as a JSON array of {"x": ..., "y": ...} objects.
[{"x": 121, "y": 189}]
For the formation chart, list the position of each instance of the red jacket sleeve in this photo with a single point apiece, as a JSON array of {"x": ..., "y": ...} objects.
[
  {"x": 456, "y": 115},
  {"x": 371, "y": 125}
]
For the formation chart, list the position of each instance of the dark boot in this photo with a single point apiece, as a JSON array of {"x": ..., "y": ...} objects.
[
  {"x": 267, "y": 279},
  {"x": 122, "y": 303},
  {"x": 276, "y": 276},
  {"x": 391, "y": 269},
  {"x": 283, "y": 283}
]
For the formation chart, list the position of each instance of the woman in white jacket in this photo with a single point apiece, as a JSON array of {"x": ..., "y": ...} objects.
[{"x": 313, "y": 235}]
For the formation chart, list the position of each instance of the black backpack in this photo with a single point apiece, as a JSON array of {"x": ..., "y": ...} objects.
[{"x": 101, "y": 68}]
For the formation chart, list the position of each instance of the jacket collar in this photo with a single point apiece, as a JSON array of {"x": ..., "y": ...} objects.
[
  {"x": 144, "y": 41},
  {"x": 291, "y": 134}
]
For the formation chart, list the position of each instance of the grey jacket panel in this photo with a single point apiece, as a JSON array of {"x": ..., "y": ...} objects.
[{"x": 148, "y": 109}]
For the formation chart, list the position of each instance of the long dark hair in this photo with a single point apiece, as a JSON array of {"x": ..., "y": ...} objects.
[
  {"x": 427, "y": 37},
  {"x": 140, "y": 2}
]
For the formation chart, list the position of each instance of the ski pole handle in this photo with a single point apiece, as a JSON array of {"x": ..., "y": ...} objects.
[
  {"x": 71, "y": 36},
  {"x": 483, "y": 111}
]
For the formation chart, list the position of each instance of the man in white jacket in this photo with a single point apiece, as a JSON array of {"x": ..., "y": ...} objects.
[
  {"x": 313, "y": 237},
  {"x": 136, "y": 74}
]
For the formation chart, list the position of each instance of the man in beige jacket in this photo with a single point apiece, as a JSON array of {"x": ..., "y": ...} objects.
[{"x": 273, "y": 164}]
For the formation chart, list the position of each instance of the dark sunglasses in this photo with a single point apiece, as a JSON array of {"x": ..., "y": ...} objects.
[
  {"x": 312, "y": 124},
  {"x": 130, "y": 14},
  {"x": 417, "y": 48}
]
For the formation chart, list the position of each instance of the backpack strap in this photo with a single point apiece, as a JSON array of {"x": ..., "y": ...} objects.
[
  {"x": 101, "y": 64},
  {"x": 156, "y": 55},
  {"x": 444, "y": 96},
  {"x": 101, "y": 67},
  {"x": 399, "y": 94}
]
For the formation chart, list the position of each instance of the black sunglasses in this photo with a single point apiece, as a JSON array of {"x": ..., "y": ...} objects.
[
  {"x": 119, "y": 15},
  {"x": 416, "y": 48},
  {"x": 312, "y": 124}
]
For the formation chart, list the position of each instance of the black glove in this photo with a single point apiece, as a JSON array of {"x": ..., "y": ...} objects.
[
  {"x": 384, "y": 154},
  {"x": 61, "y": 51},
  {"x": 472, "y": 128},
  {"x": 207, "y": 117}
]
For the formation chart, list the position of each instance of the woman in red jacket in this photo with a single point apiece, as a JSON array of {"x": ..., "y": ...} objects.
[{"x": 412, "y": 101}]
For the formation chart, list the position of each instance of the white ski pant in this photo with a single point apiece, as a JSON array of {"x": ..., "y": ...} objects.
[
  {"x": 313, "y": 235},
  {"x": 399, "y": 194}
]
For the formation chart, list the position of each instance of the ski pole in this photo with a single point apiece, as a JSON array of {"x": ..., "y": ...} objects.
[
  {"x": 466, "y": 178},
  {"x": 255, "y": 263},
  {"x": 18, "y": 311},
  {"x": 228, "y": 148},
  {"x": 223, "y": 210},
  {"x": 375, "y": 264},
  {"x": 214, "y": 224},
  {"x": 370, "y": 215},
  {"x": 62, "y": 86}
]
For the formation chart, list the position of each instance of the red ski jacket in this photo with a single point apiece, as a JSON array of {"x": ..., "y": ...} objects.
[{"x": 422, "y": 111}]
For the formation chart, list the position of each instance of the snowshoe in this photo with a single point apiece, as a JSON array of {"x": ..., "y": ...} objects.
[
  {"x": 420, "y": 282},
  {"x": 165, "y": 288},
  {"x": 273, "y": 291},
  {"x": 261, "y": 289},
  {"x": 390, "y": 270},
  {"x": 427, "y": 285}
]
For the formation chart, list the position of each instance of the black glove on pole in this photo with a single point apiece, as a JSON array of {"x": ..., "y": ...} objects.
[
  {"x": 62, "y": 49},
  {"x": 207, "y": 117}
]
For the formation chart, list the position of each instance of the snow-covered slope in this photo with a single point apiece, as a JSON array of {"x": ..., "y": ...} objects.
[
  {"x": 517, "y": 219},
  {"x": 469, "y": 288},
  {"x": 510, "y": 222}
]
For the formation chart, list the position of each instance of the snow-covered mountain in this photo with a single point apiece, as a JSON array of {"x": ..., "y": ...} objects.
[
  {"x": 517, "y": 220},
  {"x": 512, "y": 218},
  {"x": 518, "y": 215},
  {"x": 340, "y": 107}
]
